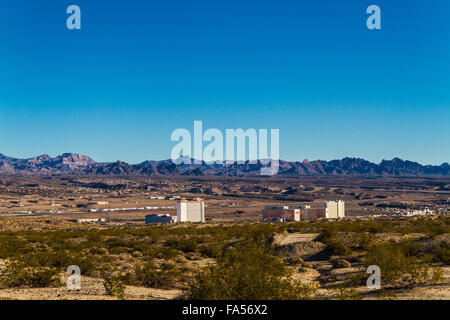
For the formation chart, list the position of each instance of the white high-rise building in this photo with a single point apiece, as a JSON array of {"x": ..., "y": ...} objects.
[
  {"x": 334, "y": 209},
  {"x": 191, "y": 211},
  {"x": 341, "y": 209}
]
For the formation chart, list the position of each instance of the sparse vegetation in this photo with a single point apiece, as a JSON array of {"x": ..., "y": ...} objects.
[
  {"x": 20, "y": 275},
  {"x": 231, "y": 261},
  {"x": 152, "y": 276},
  {"x": 348, "y": 293},
  {"x": 441, "y": 253},
  {"x": 248, "y": 271},
  {"x": 398, "y": 268},
  {"x": 114, "y": 287},
  {"x": 341, "y": 263}
]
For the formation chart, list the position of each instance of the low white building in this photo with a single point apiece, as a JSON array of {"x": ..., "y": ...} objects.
[
  {"x": 94, "y": 220},
  {"x": 191, "y": 211},
  {"x": 159, "y": 218}
]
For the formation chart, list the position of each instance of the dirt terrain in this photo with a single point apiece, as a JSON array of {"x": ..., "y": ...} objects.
[
  {"x": 128, "y": 199},
  {"x": 91, "y": 289},
  {"x": 307, "y": 246},
  {"x": 40, "y": 230}
]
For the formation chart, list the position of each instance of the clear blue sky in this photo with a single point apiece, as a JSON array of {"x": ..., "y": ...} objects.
[{"x": 137, "y": 70}]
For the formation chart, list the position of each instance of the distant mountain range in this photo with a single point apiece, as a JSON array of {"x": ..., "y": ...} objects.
[{"x": 77, "y": 164}]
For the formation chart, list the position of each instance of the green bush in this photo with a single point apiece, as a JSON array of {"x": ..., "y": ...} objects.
[
  {"x": 336, "y": 246},
  {"x": 59, "y": 259},
  {"x": 149, "y": 275},
  {"x": 293, "y": 261},
  {"x": 47, "y": 251},
  {"x": 363, "y": 241},
  {"x": 441, "y": 252},
  {"x": 185, "y": 245},
  {"x": 114, "y": 287},
  {"x": 397, "y": 269},
  {"x": 13, "y": 246},
  {"x": 302, "y": 269},
  {"x": 247, "y": 272},
  {"x": 211, "y": 250},
  {"x": 19, "y": 275},
  {"x": 344, "y": 293},
  {"x": 341, "y": 263},
  {"x": 437, "y": 276},
  {"x": 411, "y": 248}
]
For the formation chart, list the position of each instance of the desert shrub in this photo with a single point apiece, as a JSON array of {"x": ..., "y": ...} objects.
[
  {"x": 184, "y": 244},
  {"x": 94, "y": 250},
  {"x": 152, "y": 276},
  {"x": 20, "y": 275},
  {"x": 117, "y": 246},
  {"x": 262, "y": 232},
  {"x": 437, "y": 275},
  {"x": 94, "y": 238},
  {"x": 336, "y": 246},
  {"x": 302, "y": 269},
  {"x": 431, "y": 227},
  {"x": 99, "y": 251},
  {"x": 292, "y": 261},
  {"x": 13, "y": 246},
  {"x": 441, "y": 252},
  {"x": 127, "y": 278},
  {"x": 340, "y": 263},
  {"x": 344, "y": 293},
  {"x": 356, "y": 279},
  {"x": 163, "y": 253},
  {"x": 247, "y": 271},
  {"x": 384, "y": 225},
  {"x": 211, "y": 250},
  {"x": 114, "y": 286},
  {"x": 363, "y": 240},
  {"x": 386, "y": 294},
  {"x": 65, "y": 245},
  {"x": 58, "y": 259},
  {"x": 411, "y": 248},
  {"x": 397, "y": 269}
]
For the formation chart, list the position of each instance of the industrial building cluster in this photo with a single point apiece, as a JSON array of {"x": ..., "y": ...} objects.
[
  {"x": 330, "y": 210},
  {"x": 194, "y": 211}
]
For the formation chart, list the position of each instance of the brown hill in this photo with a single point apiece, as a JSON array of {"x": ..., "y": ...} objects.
[{"x": 77, "y": 164}]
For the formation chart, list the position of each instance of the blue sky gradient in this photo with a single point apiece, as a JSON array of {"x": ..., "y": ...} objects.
[{"x": 137, "y": 70}]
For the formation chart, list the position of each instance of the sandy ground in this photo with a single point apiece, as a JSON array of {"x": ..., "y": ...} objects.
[
  {"x": 306, "y": 245},
  {"x": 91, "y": 289},
  {"x": 284, "y": 239}
]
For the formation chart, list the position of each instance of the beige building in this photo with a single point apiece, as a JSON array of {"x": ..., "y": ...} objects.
[
  {"x": 334, "y": 209},
  {"x": 280, "y": 214},
  {"x": 191, "y": 211},
  {"x": 330, "y": 210},
  {"x": 305, "y": 212}
]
